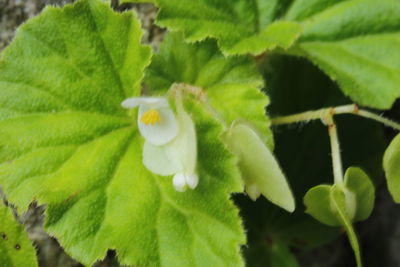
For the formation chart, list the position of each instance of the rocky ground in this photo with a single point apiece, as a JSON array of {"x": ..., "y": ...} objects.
[{"x": 379, "y": 235}]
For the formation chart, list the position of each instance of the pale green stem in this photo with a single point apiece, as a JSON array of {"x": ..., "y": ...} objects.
[
  {"x": 385, "y": 121},
  {"x": 322, "y": 113},
  {"x": 335, "y": 150}
]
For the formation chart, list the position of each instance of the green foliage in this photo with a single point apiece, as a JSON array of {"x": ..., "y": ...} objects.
[
  {"x": 232, "y": 85},
  {"x": 340, "y": 206},
  {"x": 15, "y": 248},
  {"x": 353, "y": 41},
  {"x": 240, "y": 26},
  {"x": 391, "y": 164},
  {"x": 357, "y": 181},
  {"x": 66, "y": 141}
]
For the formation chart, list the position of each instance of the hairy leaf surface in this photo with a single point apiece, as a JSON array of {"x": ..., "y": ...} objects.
[
  {"x": 240, "y": 26},
  {"x": 355, "y": 42},
  {"x": 66, "y": 141},
  {"x": 15, "y": 248}
]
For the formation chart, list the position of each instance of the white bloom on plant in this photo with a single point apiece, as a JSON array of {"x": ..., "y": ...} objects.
[
  {"x": 170, "y": 146},
  {"x": 156, "y": 121}
]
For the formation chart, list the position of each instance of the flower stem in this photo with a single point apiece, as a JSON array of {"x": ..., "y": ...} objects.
[
  {"x": 335, "y": 150},
  {"x": 322, "y": 113}
]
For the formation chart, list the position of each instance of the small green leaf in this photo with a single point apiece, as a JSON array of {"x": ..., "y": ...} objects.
[
  {"x": 391, "y": 165},
  {"x": 16, "y": 249},
  {"x": 359, "y": 199},
  {"x": 66, "y": 142},
  {"x": 232, "y": 85},
  {"x": 240, "y": 26},
  {"x": 259, "y": 166},
  {"x": 318, "y": 203},
  {"x": 333, "y": 206},
  {"x": 358, "y": 182}
]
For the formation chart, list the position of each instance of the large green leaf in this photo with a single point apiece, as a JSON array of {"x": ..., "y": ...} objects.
[
  {"x": 66, "y": 141},
  {"x": 391, "y": 164},
  {"x": 354, "y": 41},
  {"x": 15, "y": 248},
  {"x": 240, "y": 26},
  {"x": 232, "y": 85}
]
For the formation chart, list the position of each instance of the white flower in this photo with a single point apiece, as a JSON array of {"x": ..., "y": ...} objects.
[
  {"x": 182, "y": 181},
  {"x": 170, "y": 146},
  {"x": 156, "y": 121}
]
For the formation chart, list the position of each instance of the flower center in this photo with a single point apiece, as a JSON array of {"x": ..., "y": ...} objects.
[{"x": 151, "y": 117}]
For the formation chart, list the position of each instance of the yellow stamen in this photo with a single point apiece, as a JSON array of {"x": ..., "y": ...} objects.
[{"x": 151, "y": 116}]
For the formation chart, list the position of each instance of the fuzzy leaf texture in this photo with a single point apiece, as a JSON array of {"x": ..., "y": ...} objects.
[
  {"x": 65, "y": 141},
  {"x": 356, "y": 44},
  {"x": 353, "y": 41},
  {"x": 15, "y": 248},
  {"x": 232, "y": 85},
  {"x": 240, "y": 26}
]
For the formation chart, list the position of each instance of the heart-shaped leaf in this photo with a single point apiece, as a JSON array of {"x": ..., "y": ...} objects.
[
  {"x": 66, "y": 141},
  {"x": 334, "y": 206}
]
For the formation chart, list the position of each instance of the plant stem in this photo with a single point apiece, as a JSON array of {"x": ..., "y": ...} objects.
[
  {"x": 322, "y": 113},
  {"x": 335, "y": 150}
]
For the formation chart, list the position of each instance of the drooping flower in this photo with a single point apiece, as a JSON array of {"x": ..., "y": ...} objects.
[
  {"x": 170, "y": 146},
  {"x": 260, "y": 170}
]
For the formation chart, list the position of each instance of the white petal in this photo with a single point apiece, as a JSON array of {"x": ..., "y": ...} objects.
[
  {"x": 179, "y": 155},
  {"x": 185, "y": 144},
  {"x": 192, "y": 180},
  {"x": 253, "y": 191},
  {"x": 179, "y": 182},
  {"x": 161, "y": 160},
  {"x": 136, "y": 101},
  {"x": 161, "y": 132}
]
